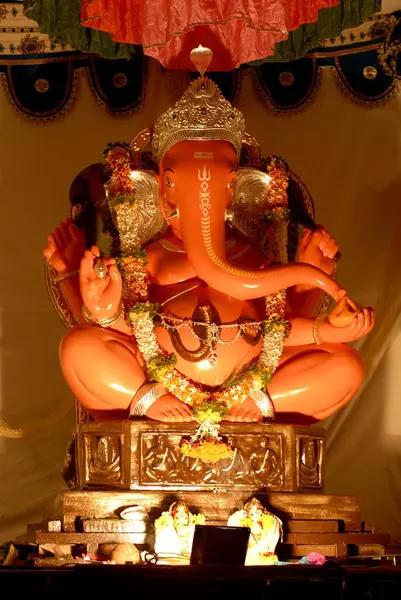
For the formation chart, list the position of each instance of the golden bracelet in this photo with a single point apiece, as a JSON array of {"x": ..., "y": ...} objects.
[
  {"x": 107, "y": 321},
  {"x": 145, "y": 397},
  {"x": 63, "y": 276},
  {"x": 263, "y": 402},
  {"x": 316, "y": 335}
]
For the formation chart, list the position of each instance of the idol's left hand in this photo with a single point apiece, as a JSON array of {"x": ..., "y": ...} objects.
[{"x": 318, "y": 248}]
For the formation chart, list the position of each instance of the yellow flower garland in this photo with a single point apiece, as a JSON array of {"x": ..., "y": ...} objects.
[
  {"x": 161, "y": 367},
  {"x": 209, "y": 407},
  {"x": 208, "y": 451}
]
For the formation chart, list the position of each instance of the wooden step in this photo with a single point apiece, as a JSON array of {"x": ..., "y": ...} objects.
[
  {"x": 338, "y": 545},
  {"x": 333, "y": 538},
  {"x": 217, "y": 507},
  {"x": 90, "y": 540},
  {"x": 312, "y": 526}
]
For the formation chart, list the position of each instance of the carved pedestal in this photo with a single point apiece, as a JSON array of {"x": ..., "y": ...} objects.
[
  {"x": 145, "y": 455},
  {"x": 127, "y": 463},
  {"x": 330, "y": 525}
]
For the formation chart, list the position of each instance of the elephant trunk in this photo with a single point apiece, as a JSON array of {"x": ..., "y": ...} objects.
[{"x": 203, "y": 234}]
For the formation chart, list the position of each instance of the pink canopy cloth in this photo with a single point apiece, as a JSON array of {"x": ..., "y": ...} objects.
[{"x": 238, "y": 31}]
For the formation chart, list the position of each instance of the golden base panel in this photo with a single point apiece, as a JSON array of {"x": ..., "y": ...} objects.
[
  {"x": 145, "y": 455},
  {"x": 129, "y": 472}
]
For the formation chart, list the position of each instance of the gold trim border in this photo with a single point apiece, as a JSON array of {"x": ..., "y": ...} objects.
[{"x": 43, "y": 61}]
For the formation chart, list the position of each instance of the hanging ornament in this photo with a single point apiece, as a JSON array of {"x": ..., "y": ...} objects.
[{"x": 201, "y": 58}]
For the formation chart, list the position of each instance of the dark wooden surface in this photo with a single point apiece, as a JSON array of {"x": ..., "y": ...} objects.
[{"x": 207, "y": 583}]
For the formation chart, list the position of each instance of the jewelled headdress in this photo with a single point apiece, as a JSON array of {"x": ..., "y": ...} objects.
[{"x": 201, "y": 114}]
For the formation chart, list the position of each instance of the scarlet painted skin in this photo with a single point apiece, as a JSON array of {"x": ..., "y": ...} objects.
[{"x": 104, "y": 368}]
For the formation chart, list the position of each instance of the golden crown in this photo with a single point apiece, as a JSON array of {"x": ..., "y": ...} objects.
[{"x": 201, "y": 114}]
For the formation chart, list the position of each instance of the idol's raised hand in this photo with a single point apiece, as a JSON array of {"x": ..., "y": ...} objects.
[
  {"x": 65, "y": 247},
  {"x": 358, "y": 326},
  {"x": 318, "y": 248},
  {"x": 100, "y": 283}
]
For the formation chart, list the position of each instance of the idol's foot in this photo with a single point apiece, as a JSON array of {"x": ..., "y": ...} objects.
[
  {"x": 169, "y": 409},
  {"x": 247, "y": 412}
]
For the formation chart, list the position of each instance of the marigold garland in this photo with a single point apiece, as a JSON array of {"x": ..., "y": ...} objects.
[
  {"x": 166, "y": 520},
  {"x": 208, "y": 451},
  {"x": 211, "y": 411},
  {"x": 160, "y": 367},
  {"x": 120, "y": 185},
  {"x": 117, "y": 155},
  {"x": 209, "y": 407},
  {"x": 277, "y": 169},
  {"x": 121, "y": 199},
  {"x": 278, "y": 212},
  {"x": 134, "y": 275}
]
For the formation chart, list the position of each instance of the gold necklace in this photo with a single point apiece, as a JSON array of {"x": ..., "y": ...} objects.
[{"x": 170, "y": 247}]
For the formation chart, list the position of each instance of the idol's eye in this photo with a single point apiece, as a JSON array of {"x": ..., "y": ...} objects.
[
  {"x": 169, "y": 182},
  {"x": 231, "y": 183}
]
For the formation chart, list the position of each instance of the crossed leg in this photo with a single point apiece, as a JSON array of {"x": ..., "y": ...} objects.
[
  {"x": 310, "y": 384},
  {"x": 104, "y": 370},
  {"x": 316, "y": 381}
]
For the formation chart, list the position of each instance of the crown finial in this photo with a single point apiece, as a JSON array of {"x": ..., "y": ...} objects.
[{"x": 201, "y": 58}]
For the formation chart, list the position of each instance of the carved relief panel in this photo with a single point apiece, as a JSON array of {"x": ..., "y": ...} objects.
[
  {"x": 309, "y": 461},
  {"x": 144, "y": 455},
  {"x": 256, "y": 463},
  {"x": 103, "y": 462}
]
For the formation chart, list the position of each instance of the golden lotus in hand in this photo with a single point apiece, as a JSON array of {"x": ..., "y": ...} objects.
[{"x": 343, "y": 313}]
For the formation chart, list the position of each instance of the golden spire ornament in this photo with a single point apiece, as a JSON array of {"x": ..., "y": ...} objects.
[{"x": 201, "y": 58}]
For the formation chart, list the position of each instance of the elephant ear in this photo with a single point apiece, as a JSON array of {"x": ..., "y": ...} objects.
[
  {"x": 259, "y": 210},
  {"x": 246, "y": 212},
  {"x": 137, "y": 216},
  {"x": 271, "y": 207},
  {"x": 133, "y": 199}
]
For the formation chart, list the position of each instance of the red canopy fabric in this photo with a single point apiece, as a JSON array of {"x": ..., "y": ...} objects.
[{"x": 238, "y": 31}]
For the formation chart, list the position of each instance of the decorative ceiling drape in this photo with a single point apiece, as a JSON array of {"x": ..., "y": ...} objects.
[
  {"x": 239, "y": 31},
  {"x": 255, "y": 31},
  {"x": 42, "y": 81}
]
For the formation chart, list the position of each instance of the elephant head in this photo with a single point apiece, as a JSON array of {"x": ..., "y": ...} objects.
[
  {"x": 197, "y": 179},
  {"x": 197, "y": 144}
]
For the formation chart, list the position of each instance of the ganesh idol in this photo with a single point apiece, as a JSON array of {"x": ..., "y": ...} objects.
[{"x": 198, "y": 309}]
